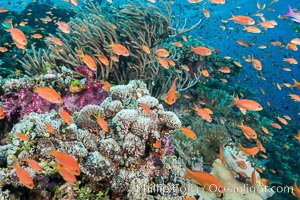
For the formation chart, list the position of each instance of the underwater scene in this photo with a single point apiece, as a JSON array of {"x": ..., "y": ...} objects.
[{"x": 149, "y": 100}]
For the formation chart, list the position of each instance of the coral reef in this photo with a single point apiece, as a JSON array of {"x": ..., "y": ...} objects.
[{"x": 110, "y": 159}]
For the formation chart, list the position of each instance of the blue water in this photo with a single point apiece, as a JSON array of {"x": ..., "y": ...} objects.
[{"x": 225, "y": 41}]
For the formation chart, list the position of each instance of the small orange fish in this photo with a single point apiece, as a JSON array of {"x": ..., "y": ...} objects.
[
  {"x": 106, "y": 86},
  {"x": 296, "y": 84},
  {"x": 161, "y": 52},
  {"x": 49, "y": 128},
  {"x": 64, "y": 27},
  {"x": 292, "y": 46},
  {"x": 163, "y": 62},
  {"x": 295, "y": 97},
  {"x": 205, "y": 73},
  {"x": 248, "y": 131},
  {"x": 252, "y": 29},
  {"x": 66, "y": 174},
  {"x": 34, "y": 165},
  {"x": 2, "y": 115},
  {"x": 243, "y": 20},
  {"x": 243, "y": 43},
  {"x": 146, "y": 49},
  {"x": 250, "y": 151},
  {"x": 189, "y": 133},
  {"x": 265, "y": 130},
  {"x": 256, "y": 64},
  {"x": 298, "y": 136},
  {"x": 201, "y": 50},
  {"x": 66, "y": 117},
  {"x": 89, "y": 61},
  {"x": 22, "y": 136},
  {"x": 282, "y": 120},
  {"x": 23, "y": 175},
  {"x": 221, "y": 155},
  {"x": 74, "y": 2},
  {"x": 146, "y": 108},
  {"x": 156, "y": 144},
  {"x": 202, "y": 113},
  {"x": 119, "y": 49},
  {"x": 67, "y": 161},
  {"x": 171, "y": 97},
  {"x": 177, "y": 44},
  {"x": 205, "y": 12},
  {"x": 49, "y": 94},
  {"x": 242, "y": 164},
  {"x": 205, "y": 179},
  {"x": 102, "y": 123},
  {"x": 265, "y": 181},
  {"x": 18, "y": 37},
  {"x": 246, "y": 104},
  {"x": 217, "y": 1},
  {"x": 296, "y": 190},
  {"x": 103, "y": 59},
  {"x": 260, "y": 146},
  {"x": 276, "y": 125},
  {"x": 253, "y": 177}
]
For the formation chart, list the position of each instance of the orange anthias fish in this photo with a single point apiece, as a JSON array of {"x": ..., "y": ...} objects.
[
  {"x": 66, "y": 174},
  {"x": 64, "y": 27},
  {"x": 49, "y": 94},
  {"x": 18, "y": 37},
  {"x": 202, "y": 113},
  {"x": 296, "y": 190},
  {"x": 189, "y": 133},
  {"x": 34, "y": 165},
  {"x": 106, "y": 86},
  {"x": 146, "y": 108},
  {"x": 201, "y": 50},
  {"x": 248, "y": 131},
  {"x": 243, "y": 20},
  {"x": 120, "y": 49},
  {"x": 207, "y": 180},
  {"x": 66, "y": 117},
  {"x": 250, "y": 151},
  {"x": 103, "y": 59},
  {"x": 2, "y": 115},
  {"x": 146, "y": 49},
  {"x": 217, "y": 1},
  {"x": 296, "y": 84},
  {"x": 171, "y": 97},
  {"x": 23, "y": 176},
  {"x": 253, "y": 177},
  {"x": 298, "y": 136},
  {"x": 22, "y": 136},
  {"x": 49, "y": 128},
  {"x": 221, "y": 155},
  {"x": 89, "y": 61},
  {"x": 246, "y": 104},
  {"x": 162, "y": 53},
  {"x": 102, "y": 123},
  {"x": 74, "y": 2},
  {"x": 67, "y": 161}
]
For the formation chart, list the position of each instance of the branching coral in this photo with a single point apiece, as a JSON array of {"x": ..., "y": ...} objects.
[{"x": 95, "y": 29}]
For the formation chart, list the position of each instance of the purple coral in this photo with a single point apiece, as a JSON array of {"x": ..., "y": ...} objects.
[
  {"x": 93, "y": 93},
  {"x": 24, "y": 102},
  {"x": 169, "y": 149}
]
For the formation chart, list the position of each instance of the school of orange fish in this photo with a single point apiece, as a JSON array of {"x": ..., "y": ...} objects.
[{"x": 68, "y": 167}]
